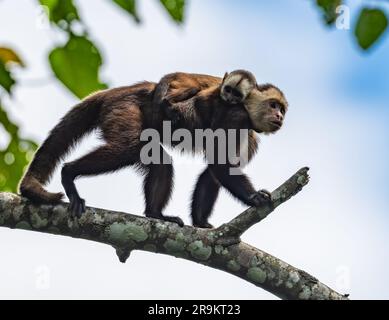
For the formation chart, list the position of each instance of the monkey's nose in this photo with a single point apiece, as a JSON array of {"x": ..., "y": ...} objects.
[{"x": 232, "y": 98}]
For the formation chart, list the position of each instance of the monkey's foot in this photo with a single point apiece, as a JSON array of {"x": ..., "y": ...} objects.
[
  {"x": 203, "y": 225},
  {"x": 76, "y": 206},
  {"x": 174, "y": 220},
  {"x": 160, "y": 216}
]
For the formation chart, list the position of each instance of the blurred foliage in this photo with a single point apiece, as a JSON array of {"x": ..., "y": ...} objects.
[
  {"x": 175, "y": 8},
  {"x": 15, "y": 157},
  {"x": 17, "y": 153},
  {"x": 371, "y": 25},
  {"x": 77, "y": 65},
  {"x": 6, "y": 80},
  {"x": 371, "y": 21},
  {"x": 61, "y": 12},
  {"x": 7, "y": 55},
  {"x": 329, "y": 9},
  {"x": 76, "y": 62},
  {"x": 130, "y": 7}
]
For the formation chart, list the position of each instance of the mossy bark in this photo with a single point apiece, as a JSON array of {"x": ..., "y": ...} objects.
[{"x": 218, "y": 248}]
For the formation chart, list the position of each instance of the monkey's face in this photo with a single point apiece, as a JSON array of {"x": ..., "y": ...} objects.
[
  {"x": 236, "y": 86},
  {"x": 266, "y": 109}
]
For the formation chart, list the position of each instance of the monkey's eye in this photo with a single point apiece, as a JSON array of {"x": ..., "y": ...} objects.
[
  {"x": 228, "y": 89},
  {"x": 274, "y": 105}
]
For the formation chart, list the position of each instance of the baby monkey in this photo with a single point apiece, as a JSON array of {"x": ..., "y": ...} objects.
[{"x": 180, "y": 87}]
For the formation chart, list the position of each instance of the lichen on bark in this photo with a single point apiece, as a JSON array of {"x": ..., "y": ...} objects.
[{"x": 219, "y": 248}]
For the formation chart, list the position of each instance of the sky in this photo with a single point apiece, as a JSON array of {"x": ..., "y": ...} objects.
[{"x": 335, "y": 229}]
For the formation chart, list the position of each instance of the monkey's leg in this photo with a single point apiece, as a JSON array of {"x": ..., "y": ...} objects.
[
  {"x": 158, "y": 186},
  {"x": 204, "y": 198},
  {"x": 104, "y": 159},
  {"x": 180, "y": 95}
]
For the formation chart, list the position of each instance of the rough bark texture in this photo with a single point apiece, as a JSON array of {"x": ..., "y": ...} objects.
[{"x": 218, "y": 248}]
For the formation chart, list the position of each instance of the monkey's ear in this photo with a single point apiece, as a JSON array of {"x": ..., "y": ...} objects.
[{"x": 225, "y": 76}]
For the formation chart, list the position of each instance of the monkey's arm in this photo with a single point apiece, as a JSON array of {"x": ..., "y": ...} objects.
[
  {"x": 178, "y": 87},
  {"x": 238, "y": 184},
  {"x": 171, "y": 91},
  {"x": 238, "y": 151},
  {"x": 179, "y": 95},
  {"x": 190, "y": 106},
  {"x": 175, "y": 103}
]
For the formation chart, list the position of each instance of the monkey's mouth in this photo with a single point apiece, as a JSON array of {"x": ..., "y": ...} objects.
[{"x": 276, "y": 124}]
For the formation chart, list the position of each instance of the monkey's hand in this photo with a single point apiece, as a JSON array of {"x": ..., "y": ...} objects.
[{"x": 260, "y": 198}]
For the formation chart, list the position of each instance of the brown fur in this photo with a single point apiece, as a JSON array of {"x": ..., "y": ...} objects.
[
  {"x": 210, "y": 108},
  {"x": 176, "y": 87},
  {"x": 116, "y": 112},
  {"x": 120, "y": 115}
]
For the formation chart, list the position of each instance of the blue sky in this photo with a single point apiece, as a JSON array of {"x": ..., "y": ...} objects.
[
  {"x": 361, "y": 75},
  {"x": 337, "y": 125}
]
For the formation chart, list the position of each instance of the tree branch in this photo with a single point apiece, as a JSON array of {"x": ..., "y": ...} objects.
[
  {"x": 236, "y": 227},
  {"x": 218, "y": 248}
]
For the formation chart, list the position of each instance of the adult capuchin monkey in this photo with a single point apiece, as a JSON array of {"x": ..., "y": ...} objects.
[
  {"x": 121, "y": 114},
  {"x": 194, "y": 101}
]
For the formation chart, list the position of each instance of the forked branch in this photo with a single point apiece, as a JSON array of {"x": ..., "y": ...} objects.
[{"x": 219, "y": 248}]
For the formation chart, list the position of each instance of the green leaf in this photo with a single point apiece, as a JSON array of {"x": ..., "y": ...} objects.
[
  {"x": 6, "y": 80},
  {"x": 329, "y": 9},
  {"x": 61, "y": 10},
  {"x": 175, "y": 8},
  {"x": 15, "y": 157},
  {"x": 10, "y": 127},
  {"x": 130, "y": 7},
  {"x": 13, "y": 163},
  {"x": 77, "y": 65},
  {"x": 370, "y": 26}
]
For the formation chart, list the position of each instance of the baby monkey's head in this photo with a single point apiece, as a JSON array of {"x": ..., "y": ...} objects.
[{"x": 237, "y": 85}]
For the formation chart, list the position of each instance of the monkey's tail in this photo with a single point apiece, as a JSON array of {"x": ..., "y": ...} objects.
[{"x": 73, "y": 126}]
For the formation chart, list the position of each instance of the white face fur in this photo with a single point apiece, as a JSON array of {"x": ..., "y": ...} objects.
[
  {"x": 236, "y": 87},
  {"x": 262, "y": 110}
]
